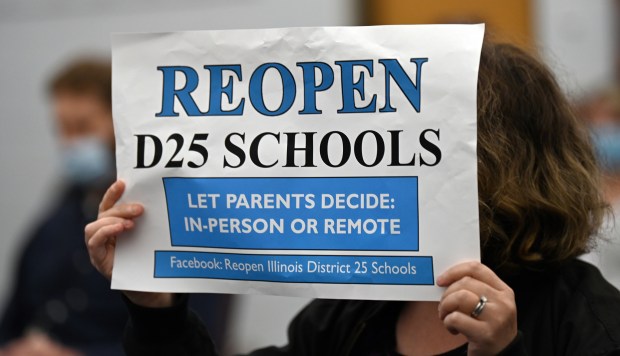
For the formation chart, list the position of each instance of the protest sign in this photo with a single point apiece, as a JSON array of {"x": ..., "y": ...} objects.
[{"x": 319, "y": 162}]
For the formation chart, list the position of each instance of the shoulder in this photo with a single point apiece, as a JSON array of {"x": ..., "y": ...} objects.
[
  {"x": 61, "y": 213},
  {"x": 589, "y": 289},
  {"x": 571, "y": 310},
  {"x": 63, "y": 207},
  {"x": 585, "y": 281}
]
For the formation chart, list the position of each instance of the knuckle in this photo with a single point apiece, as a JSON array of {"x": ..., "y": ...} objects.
[
  {"x": 452, "y": 318},
  {"x": 444, "y": 308},
  {"x": 461, "y": 296},
  {"x": 511, "y": 293},
  {"x": 449, "y": 319},
  {"x": 478, "y": 267},
  {"x": 88, "y": 230},
  {"x": 473, "y": 264}
]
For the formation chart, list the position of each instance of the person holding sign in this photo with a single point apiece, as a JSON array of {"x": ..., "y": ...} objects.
[
  {"x": 59, "y": 304},
  {"x": 540, "y": 205}
]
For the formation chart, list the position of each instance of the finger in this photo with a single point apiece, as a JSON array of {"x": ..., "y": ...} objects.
[
  {"x": 473, "y": 269},
  {"x": 462, "y": 300},
  {"x": 97, "y": 248},
  {"x": 93, "y": 227},
  {"x": 471, "y": 284},
  {"x": 127, "y": 211},
  {"x": 457, "y": 322},
  {"x": 112, "y": 195}
]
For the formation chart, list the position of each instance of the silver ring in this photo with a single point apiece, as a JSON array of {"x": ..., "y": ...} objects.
[{"x": 479, "y": 307}]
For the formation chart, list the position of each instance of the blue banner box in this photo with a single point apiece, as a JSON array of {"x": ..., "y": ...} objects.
[
  {"x": 344, "y": 213},
  {"x": 394, "y": 270}
]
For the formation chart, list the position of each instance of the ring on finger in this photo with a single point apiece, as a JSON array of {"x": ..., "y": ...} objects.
[{"x": 479, "y": 307}]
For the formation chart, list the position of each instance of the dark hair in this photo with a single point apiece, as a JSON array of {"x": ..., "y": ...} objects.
[
  {"x": 85, "y": 76},
  {"x": 539, "y": 191}
]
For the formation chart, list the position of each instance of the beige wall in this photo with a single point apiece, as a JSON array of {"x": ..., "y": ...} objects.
[{"x": 508, "y": 20}]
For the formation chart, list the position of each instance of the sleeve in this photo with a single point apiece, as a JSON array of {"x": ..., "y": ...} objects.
[
  {"x": 166, "y": 331},
  {"x": 178, "y": 331}
]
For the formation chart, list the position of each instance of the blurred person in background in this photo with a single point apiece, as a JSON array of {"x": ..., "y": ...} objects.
[
  {"x": 59, "y": 304},
  {"x": 602, "y": 112}
]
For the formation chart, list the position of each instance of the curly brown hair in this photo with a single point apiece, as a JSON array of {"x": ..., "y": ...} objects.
[{"x": 539, "y": 192}]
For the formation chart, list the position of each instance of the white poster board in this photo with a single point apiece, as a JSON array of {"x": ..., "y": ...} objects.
[{"x": 334, "y": 162}]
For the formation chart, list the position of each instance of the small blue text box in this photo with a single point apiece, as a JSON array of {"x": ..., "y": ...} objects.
[{"x": 394, "y": 270}]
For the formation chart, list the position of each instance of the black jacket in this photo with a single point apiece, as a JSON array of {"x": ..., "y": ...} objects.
[
  {"x": 57, "y": 291},
  {"x": 568, "y": 311}
]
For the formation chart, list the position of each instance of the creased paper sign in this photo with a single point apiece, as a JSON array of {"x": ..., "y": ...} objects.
[{"x": 319, "y": 162}]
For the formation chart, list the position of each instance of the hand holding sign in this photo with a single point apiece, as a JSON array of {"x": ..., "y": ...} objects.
[
  {"x": 101, "y": 235},
  {"x": 490, "y": 326}
]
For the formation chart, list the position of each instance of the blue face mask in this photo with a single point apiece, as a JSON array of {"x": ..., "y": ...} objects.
[
  {"x": 606, "y": 140},
  {"x": 87, "y": 161}
]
